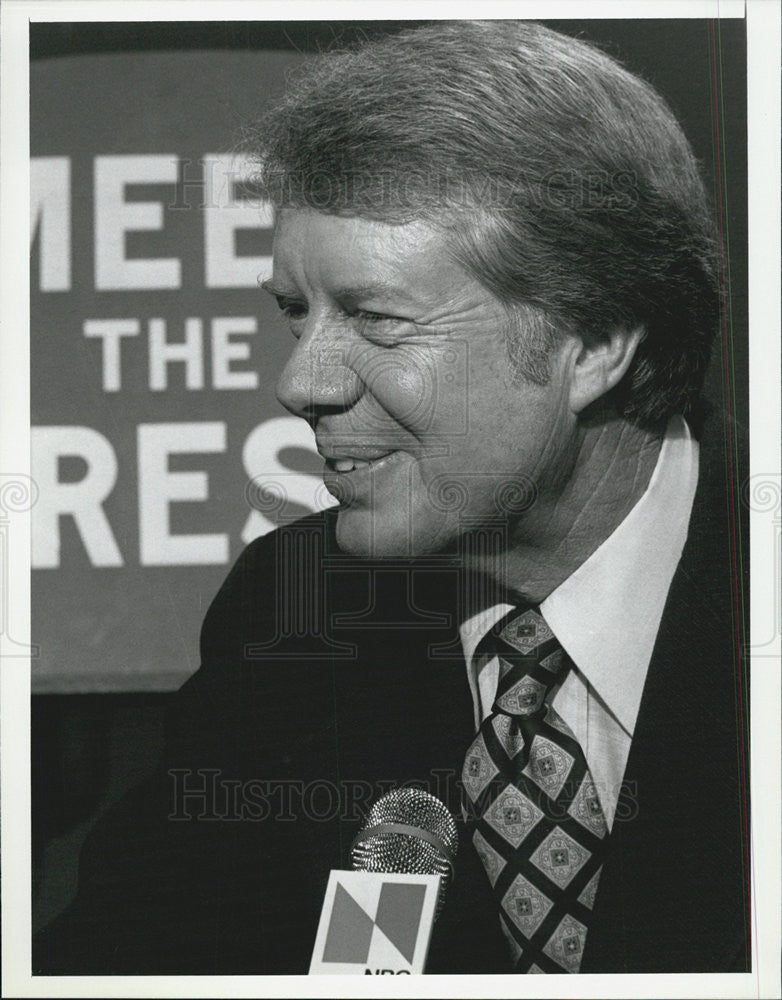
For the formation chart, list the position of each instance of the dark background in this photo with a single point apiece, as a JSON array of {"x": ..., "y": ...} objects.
[{"x": 89, "y": 748}]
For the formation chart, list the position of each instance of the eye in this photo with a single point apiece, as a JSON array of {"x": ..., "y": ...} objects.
[
  {"x": 292, "y": 309},
  {"x": 370, "y": 317},
  {"x": 376, "y": 326}
]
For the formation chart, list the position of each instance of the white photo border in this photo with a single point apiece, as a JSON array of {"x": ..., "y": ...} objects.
[{"x": 763, "y": 32}]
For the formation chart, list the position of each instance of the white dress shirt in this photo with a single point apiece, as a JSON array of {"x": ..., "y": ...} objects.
[{"x": 606, "y": 615}]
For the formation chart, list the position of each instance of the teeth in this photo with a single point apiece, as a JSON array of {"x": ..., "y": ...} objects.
[{"x": 348, "y": 464}]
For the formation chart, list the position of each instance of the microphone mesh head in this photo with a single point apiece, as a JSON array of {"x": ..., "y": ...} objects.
[{"x": 391, "y": 851}]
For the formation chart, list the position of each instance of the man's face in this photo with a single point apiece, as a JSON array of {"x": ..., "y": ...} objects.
[{"x": 401, "y": 367}]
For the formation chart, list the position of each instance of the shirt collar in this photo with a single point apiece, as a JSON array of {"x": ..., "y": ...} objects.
[{"x": 607, "y": 613}]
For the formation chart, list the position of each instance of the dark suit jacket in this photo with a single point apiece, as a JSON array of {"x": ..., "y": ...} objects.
[{"x": 326, "y": 680}]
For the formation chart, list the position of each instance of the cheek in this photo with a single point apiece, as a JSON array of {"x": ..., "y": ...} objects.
[
  {"x": 420, "y": 387},
  {"x": 457, "y": 484},
  {"x": 508, "y": 454}
]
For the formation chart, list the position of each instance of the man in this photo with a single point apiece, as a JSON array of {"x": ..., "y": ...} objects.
[{"x": 494, "y": 253}]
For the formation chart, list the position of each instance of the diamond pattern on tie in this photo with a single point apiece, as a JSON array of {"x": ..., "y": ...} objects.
[
  {"x": 492, "y": 861},
  {"x": 526, "y": 632},
  {"x": 586, "y": 809},
  {"x": 523, "y": 698},
  {"x": 587, "y": 896},
  {"x": 566, "y": 944},
  {"x": 512, "y": 815},
  {"x": 548, "y": 766},
  {"x": 526, "y": 906},
  {"x": 516, "y": 950},
  {"x": 542, "y": 838},
  {"x": 560, "y": 857},
  {"x": 478, "y": 768},
  {"x": 509, "y": 735},
  {"x": 553, "y": 662}
]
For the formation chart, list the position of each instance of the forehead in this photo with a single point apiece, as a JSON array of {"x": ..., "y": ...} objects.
[{"x": 314, "y": 251}]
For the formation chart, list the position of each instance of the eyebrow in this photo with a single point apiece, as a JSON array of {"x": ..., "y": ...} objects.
[
  {"x": 267, "y": 286},
  {"x": 350, "y": 293}
]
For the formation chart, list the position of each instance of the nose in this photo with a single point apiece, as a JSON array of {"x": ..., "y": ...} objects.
[{"x": 317, "y": 377}]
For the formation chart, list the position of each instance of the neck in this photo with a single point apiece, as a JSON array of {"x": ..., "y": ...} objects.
[{"x": 611, "y": 465}]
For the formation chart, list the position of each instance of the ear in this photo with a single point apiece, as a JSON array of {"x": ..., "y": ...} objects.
[{"x": 599, "y": 366}]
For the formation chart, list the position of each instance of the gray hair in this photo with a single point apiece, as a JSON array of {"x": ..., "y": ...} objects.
[{"x": 563, "y": 183}]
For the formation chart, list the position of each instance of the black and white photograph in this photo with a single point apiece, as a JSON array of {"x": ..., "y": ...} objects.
[{"x": 394, "y": 459}]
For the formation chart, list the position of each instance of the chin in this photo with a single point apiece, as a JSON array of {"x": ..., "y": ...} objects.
[
  {"x": 376, "y": 535},
  {"x": 364, "y": 533}
]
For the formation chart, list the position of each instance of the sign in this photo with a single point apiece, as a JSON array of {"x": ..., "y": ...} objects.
[
  {"x": 159, "y": 449},
  {"x": 375, "y": 923}
]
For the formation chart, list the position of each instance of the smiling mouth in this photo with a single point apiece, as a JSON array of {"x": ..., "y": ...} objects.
[
  {"x": 352, "y": 481},
  {"x": 344, "y": 465}
]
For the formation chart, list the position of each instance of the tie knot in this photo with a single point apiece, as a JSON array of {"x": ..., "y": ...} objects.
[{"x": 531, "y": 661}]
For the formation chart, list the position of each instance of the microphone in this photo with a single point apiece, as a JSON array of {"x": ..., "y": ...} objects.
[
  {"x": 378, "y": 918},
  {"x": 408, "y": 830}
]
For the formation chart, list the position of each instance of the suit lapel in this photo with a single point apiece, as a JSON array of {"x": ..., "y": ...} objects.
[{"x": 672, "y": 894}]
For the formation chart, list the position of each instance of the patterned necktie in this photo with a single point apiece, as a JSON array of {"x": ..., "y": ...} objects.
[{"x": 537, "y": 822}]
